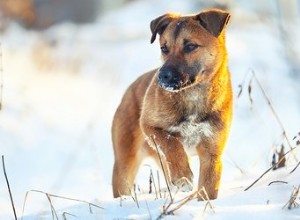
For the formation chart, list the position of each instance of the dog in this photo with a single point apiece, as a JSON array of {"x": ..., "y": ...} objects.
[{"x": 182, "y": 108}]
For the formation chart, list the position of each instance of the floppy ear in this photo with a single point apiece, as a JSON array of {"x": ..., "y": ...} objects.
[
  {"x": 159, "y": 24},
  {"x": 213, "y": 20}
]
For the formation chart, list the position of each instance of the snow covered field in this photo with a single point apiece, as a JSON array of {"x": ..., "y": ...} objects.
[{"x": 62, "y": 86}]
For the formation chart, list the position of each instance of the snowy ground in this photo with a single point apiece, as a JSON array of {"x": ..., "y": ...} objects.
[{"x": 62, "y": 86}]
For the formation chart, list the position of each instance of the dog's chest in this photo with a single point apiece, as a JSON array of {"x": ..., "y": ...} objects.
[{"x": 191, "y": 131}]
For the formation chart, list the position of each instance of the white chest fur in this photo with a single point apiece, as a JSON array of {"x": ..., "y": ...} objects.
[{"x": 192, "y": 132}]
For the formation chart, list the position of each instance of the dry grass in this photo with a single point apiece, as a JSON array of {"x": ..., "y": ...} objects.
[
  {"x": 269, "y": 103},
  {"x": 271, "y": 168},
  {"x": 281, "y": 161},
  {"x": 162, "y": 167},
  {"x": 49, "y": 197},
  {"x": 175, "y": 206},
  {"x": 292, "y": 203},
  {"x": 8, "y": 187}
]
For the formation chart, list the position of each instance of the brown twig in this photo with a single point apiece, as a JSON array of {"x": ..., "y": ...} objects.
[
  {"x": 67, "y": 198},
  {"x": 297, "y": 138},
  {"x": 184, "y": 201},
  {"x": 201, "y": 193},
  {"x": 250, "y": 91},
  {"x": 9, "y": 190},
  {"x": 158, "y": 180},
  {"x": 277, "y": 181},
  {"x": 151, "y": 180},
  {"x": 49, "y": 195},
  {"x": 65, "y": 215},
  {"x": 53, "y": 211},
  {"x": 162, "y": 167},
  {"x": 295, "y": 167},
  {"x": 292, "y": 201},
  {"x": 274, "y": 165},
  {"x": 206, "y": 198},
  {"x": 166, "y": 208},
  {"x": 281, "y": 155},
  {"x": 135, "y": 196},
  {"x": 241, "y": 85}
]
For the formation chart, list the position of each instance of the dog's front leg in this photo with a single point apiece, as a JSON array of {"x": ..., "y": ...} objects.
[
  {"x": 210, "y": 173},
  {"x": 172, "y": 152}
]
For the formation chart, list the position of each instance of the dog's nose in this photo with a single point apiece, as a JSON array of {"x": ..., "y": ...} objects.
[
  {"x": 165, "y": 76},
  {"x": 169, "y": 78}
]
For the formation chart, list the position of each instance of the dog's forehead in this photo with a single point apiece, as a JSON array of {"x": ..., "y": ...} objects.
[
  {"x": 179, "y": 26},
  {"x": 182, "y": 27}
]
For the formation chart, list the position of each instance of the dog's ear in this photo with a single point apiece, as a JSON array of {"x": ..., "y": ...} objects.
[
  {"x": 213, "y": 20},
  {"x": 159, "y": 24}
]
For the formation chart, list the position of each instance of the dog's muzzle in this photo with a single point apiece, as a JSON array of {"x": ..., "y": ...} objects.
[{"x": 169, "y": 78}]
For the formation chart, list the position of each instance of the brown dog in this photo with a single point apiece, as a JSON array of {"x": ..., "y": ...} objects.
[{"x": 183, "y": 107}]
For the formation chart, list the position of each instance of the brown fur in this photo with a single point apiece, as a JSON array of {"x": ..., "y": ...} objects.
[{"x": 186, "y": 105}]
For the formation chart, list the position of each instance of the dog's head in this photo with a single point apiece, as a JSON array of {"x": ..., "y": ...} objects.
[{"x": 192, "y": 47}]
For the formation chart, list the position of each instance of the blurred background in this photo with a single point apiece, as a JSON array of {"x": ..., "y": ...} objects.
[{"x": 65, "y": 64}]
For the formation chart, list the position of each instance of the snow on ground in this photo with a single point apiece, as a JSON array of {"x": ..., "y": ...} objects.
[{"x": 62, "y": 86}]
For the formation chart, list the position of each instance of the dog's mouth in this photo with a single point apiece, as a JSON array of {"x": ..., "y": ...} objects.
[
  {"x": 176, "y": 83},
  {"x": 173, "y": 78}
]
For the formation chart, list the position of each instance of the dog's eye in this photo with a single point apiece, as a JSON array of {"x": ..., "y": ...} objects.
[
  {"x": 164, "y": 49},
  {"x": 190, "y": 47}
]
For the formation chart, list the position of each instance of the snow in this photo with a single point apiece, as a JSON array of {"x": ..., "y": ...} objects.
[{"x": 62, "y": 86}]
